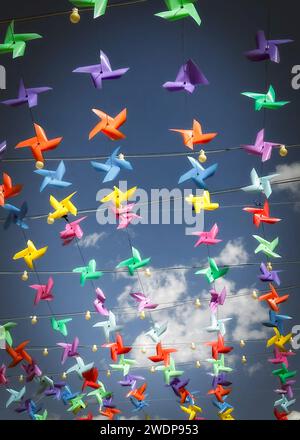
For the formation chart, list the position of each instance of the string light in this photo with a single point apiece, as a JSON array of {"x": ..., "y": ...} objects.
[
  {"x": 197, "y": 303},
  {"x": 75, "y": 16},
  {"x": 39, "y": 165},
  {"x": 21, "y": 378},
  {"x": 34, "y": 320},
  {"x": 94, "y": 348},
  {"x": 121, "y": 156},
  {"x": 244, "y": 359},
  {"x": 269, "y": 266},
  {"x": 152, "y": 369},
  {"x": 24, "y": 276},
  {"x": 198, "y": 364},
  {"x": 202, "y": 157},
  {"x": 88, "y": 315},
  {"x": 64, "y": 375},
  {"x": 242, "y": 343},
  {"x": 45, "y": 352},
  {"x": 50, "y": 220},
  {"x": 142, "y": 315},
  {"x": 148, "y": 272},
  {"x": 254, "y": 294},
  {"x": 143, "y": 350},
  {"x": 283, "y": 151},
  {"x": 108, "y": 373},
  {"x": 193, "y": 346}
]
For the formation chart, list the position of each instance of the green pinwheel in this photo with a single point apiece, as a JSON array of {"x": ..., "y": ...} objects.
[
  {"x": 100, "y": 394},
  {"x": 60, "y": 325},
  {"x": 134, "y": 263},
  {"x": 16, "y": 43},
  {"x": 43, "y": 416},
  {"x": 6, "y": 333},
  {"x": 179, "y": 9},
  {"x": 98, "y": 5},
  {"x": 212, "y": 272},
  {"x": 284, "y": 374},
  {"x": 88, "y": 272},
  {"x": 123, "y": 365},
  {"x": 77, "y": 404},
  {"x": 219, "y": 365},
  {"x": 169, "y": 371},
  {"x": 265, "y": 100}
]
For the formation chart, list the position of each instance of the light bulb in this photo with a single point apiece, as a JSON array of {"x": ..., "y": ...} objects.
[
  {"x": 34, "y": 320},
  {"x": 254, "y": 294},
  {"x": 75, "y": 16},
  {"x": 242, "y": 343},
  {"x": 94, "y": 348},
  {"x": 244, "y": 359},
  {"x": 152, "y": 369},
  {"x": 142, "y": 315},
  {"x": 202, "y": 157},
  {"x": 148, "y": 272},
  {"x": 64, "y": 375},
  {"x": 39, "y": 165},
  {"x": 21, "y": 378},
  {"x": 198, "y": 364},
  {"x": 24, "y": 276},
  {"x": 108, "y": 373},
  {"x": 193, "y": 346},
  {"x": 283, "y": 151},
  {"x": 121, "y": 156},
  {"x": 45, "y": 352},
  {"x": 197, "y": 303},
  {"x": 269, "y": 266},
  {"x": 88, "y": 315},
  {"x": 50, "y": 220}
]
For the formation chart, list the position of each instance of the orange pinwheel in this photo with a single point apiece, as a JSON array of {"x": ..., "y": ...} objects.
[
  {"x": 18, "y": 354},
  {"x": 195, "y": 135},
  {"x": 110, "y": 412},
  {"x": 138, "y": 393},
  {"x": 108, "y": 125},
  {"x": 162, "y": 354},
  {"x": 220, "y": 392},
  {"x": 7, "y": 189}
]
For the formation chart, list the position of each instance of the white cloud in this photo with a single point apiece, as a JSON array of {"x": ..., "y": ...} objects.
[
  {"x": 294, "y": 415},
  {"x": 288, "y": 171},
  {"x": 91, "y": 240},
  {"x": 253, "y": 368},
  {"x": 233, "y": 253}
]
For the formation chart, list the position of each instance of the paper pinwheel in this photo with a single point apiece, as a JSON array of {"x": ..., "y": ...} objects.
[
  {"x": 267, "y": 100},
  {"x": 98, "y": 5},
  {"x": 72, "y": 231},
  {"x": 69, "y": 350},
  {"x": 139, "y": 405},
  {"x": 117, "y": 197},
  {"x": 124, "y": 365},
  {"x": 42, "y": 416},
  {"x": 179, "y": 9},
  {"x": 220, "y": 379},
  {"x": 203, "y": 202},
  {"x": 60, "y": 325},
  {"x": 284, "y": 403},
  {"x": 273, "y": 299},
  {"x": 276, "y": 321},
  {"x": 266, "y": 49},
  {"x": 16, "y": 43},
  {"x": 217, "y": 299},
  {"x": 222, "y": 406},
  {"x": 43, "y": 292},
  {"x": 53, "y": 178},
  {"x": 178, "y": 384},
  {"x": 130, "y": 380},
  {"x": 220, "y": 392},
  {"x": 138, "y": 393},
  {"x": 101, "y": 72},
  {"x": 39, "y": 143},
  {"x": 283, "y": 415},
  {"x": 18, "y": 354},
  {"x": 269, "y": 275},
  {"x": 55, "y": 390},
  {"x": 100, "y": 394},
  {"x": 162, "y": 354},
  {"x": 7, "y": 328},
  {"x": 16, "y": 215},
  {"x": 279, "y": 340},
  {"x": 89, "y": 416},
  {"x": 90, "y": 379},
  {"x": 112, "y": 167},
  {"x": 44, "y": 382},
  {"x": 117, "y": 348},
  {"x": 198, "y": 173},
  {"x": 88, "y": 272},
  {"x": 110, "y": 413},
  {"x": 195, "y": 136},
  {"x": 287, "y": 389},
  {"x": 67, "y": 395},
  {"x": 219, "y": 365},
  {"x": 30, "y": 254},
  {"x": 7, "y": 190},
  {"x": 284, "y": 374},
  {"x": 3, "y": 148},
  {"x": 3, "y": 378},
  {"x": 218, "y": 347},
  {"x": 260, "y": 184},
  {"x": 108, "y": 326},
  {"x": 109, "y": 125},
  {"x": 267, "y": 247},
  {"x": 15, "y": 396},
  {"x": 227, "y": 414},
  {"x": 169, "y": 371},
  {"x": 134, "y": 263},
  {"x": 262, "y": 215},
  {"x": 144, "y": 303},
  {"x": 26, "y": 96},
  {"x": 125, "y": 215},
  {"x": 208, "y": 238},
  {"x": 157, "y": 331},
  {"x": 77, "y": 404},
  {"x": 188, "y": 77},
  {"x": 261, "y": 147},
  {"x": 80, "y": 367},
  {"x": 32, "y": 371},
  {"x": 192, "y": 411},
  {"x": 62, "y": 208},
  {"x": 99, "y": 303},
  {"x": 212, "y": 273},
  {"x": 217, "y": 325}
]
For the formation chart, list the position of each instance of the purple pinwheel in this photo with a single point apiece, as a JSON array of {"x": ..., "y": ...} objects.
[
  {"x": 56, "y": 390},
  {"x": 3, "y": 147},
  {"x": 269, "y": 275},
  {"x": 99, "y": 303},
  {"x": 220, "y": 379},
  {"x": 70, "y": 350},
  {"x": 32, "y": 370},
  {"x": 102, "y": 71},
  {"x": 188, "y": 77},
  {"x": 3, "y": 378},
  {"x": 143, "y": 301},
  {"x": 261, "y": 148},
  {"x": 176, "y": 384},
  {"x": 217, "y": 299},
  {"x": 26, "y": 96},
  {"x": 287, "y": 389},
  {"x": 108, "y": 403},
  {"x": 266, "y": 49},
  {"x": 130, "y": 380}
]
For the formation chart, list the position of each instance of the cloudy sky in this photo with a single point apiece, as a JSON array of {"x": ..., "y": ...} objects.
[{"x": 154, "y": 50}]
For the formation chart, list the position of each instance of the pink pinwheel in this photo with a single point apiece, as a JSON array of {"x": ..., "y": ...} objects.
[
  {"x": 3, "y": 378},
  {"x": 144, "y": 302},
  {"x": 261, "y": 148},
  {"x": 44, "y": 292},
  {"x": 70, "y": 350},
  {"x": 32, "y": 370},
  {"x": 287, "y": 389},
  {"x": 72, "y": 230},
  {"x": 209, "y": 237},
  {"x": 99, "y": 303},
  {"x": 217, "y": 299},
  {"x": 281, "y": 357},
  {"x": 125, "y": 215}
]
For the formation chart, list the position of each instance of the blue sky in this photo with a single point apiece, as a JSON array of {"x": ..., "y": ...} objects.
[{"x": 154, "y": 50}]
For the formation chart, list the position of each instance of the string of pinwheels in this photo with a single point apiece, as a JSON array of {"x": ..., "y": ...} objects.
[{"x": 188, "y": 78}]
